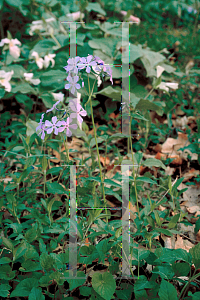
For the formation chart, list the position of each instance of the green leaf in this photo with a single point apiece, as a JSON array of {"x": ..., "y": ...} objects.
[
  {"x": 144, "y": 105},
  {"x": 173, "y": 221},
  {"x": 110, "y": 92},
  {"x": 95, "y": 7},
  {"x": 93, "y": 142},
  {"x": 167, "y": 291},
  {"x": 47, "y": 99},
  {"x": 5, "y": 260},
  {"x": 24, "y": 288},
  {"x": 14, "y": 3},
  {"x": 46, "y": 261},
  {"x": 85, "y": 290},
  {"x": 24, "y": 88},
  {"x": 31, "y": 235},
  {"x": 164, "y": 271},
  {"x": 195, "y": 251},
  {"x": 53, "y": 78},
  {"x": 104, "y": 284},
  {"x": 146, "y": 179},
  {"x": 73, "y": 283},
  {"x": 55, "y": 187},
  {"x": 31, "y": 127},
  {"x": 197, "y": 225},
  {"x": 36, "y": 294},
  {"x": 153, "y": 162},
  {"x": 4, "y": 290},
  {"x": 8, "y": 243},
  {"x": 30, "y": 266},
  {"x": 180, "y": 269},
  {"x": 165, "y": 231},
  {"x": 2, "y": 93},
  {"x": 43, "y": 46}
]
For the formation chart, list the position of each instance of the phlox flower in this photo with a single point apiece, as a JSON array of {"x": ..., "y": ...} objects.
[
  {"x": 28, "y": 77},
  {"x": 72, "y": 65},
  {"x": 86, "y": 62},
  {"x": 53, "y": 126},
  {"x": 72, "y": 85},
  {"x": 42, "y": 127},
  {"x": 13, "y": 49},
  {"x": 78, "y": 111},
  {"x": 67, "y": 126},
  {"x": 5, "y": 78},
  {"x": 54, "y": 106}
]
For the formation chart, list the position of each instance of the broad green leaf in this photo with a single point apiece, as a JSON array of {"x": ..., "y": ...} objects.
[
  {"x": 167, "y": 291},
  {"x": 164, "y": 271},
  {"x": 31, "y": 127},
  {"x": 144, "y": 105},
  {"x": 43, "y": 46},
  {"x": 31, "y": 235},
  {"x": 47, "y": 99},
  {"x": 153, "y": 162},
  {"x": 4, "y": 290},
  {"x": 5, "y": 260},
  {"x": 180, "y": 268},
  {"x": 24, "y": 88},
  {"x": 73, "y": 283},
  {"x": 55, "y": 187},
  {"x": 111, "y": 92},
  {"x": 53, "y": 78},
  {"x": 85, "y": 290},
  {"x": 30, "y": 266},
  {"x": 46, "y": 261},
  {"x": 95, "y": 7},
  {"x": 24, "y": 288},
  {"x": 104, "y": 284},
  {"x": 195, "y": 251},
  {"x": 36, "y": 294}
]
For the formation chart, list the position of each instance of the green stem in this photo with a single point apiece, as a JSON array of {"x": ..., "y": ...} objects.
[
  {"x": 186, "y": 285},
  {"x": 57, "y": 42},
  {"x": 66, "y": 149},
  {"x": 44, "y": 182}
]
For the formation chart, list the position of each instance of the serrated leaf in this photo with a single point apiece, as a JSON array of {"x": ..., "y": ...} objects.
[{"x": 4, "y": 290}]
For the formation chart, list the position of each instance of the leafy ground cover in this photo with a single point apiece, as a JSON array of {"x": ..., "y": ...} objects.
[{"x": 40, "y": 136}]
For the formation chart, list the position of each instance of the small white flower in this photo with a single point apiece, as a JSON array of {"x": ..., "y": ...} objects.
[
  {"x": 76, "y": 15},
  {"x": 14, "y": 50},
  {"x": 58, "y": 96},
  {"x": 28, "y": 77},
  {"x": 38, "y": 60},
  {"x": 5, "y": 78},
  {"x": 47, "y": 60},
  {"x": 159, "y": 70},
  {"x": 166, "y": 85},
  {"x": 39, "y": 25}
]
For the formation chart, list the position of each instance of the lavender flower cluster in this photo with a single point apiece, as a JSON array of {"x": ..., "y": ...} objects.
[{"x": 74, "y": 66}]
